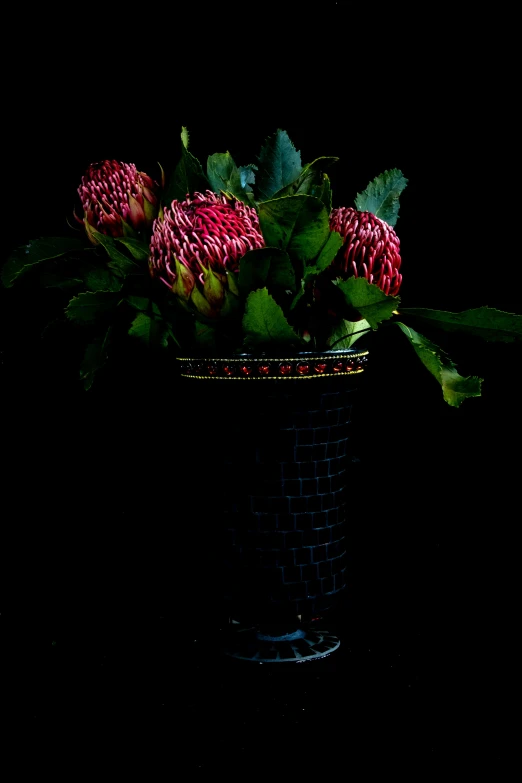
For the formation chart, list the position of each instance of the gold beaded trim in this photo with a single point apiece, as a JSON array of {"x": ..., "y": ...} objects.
[{"x": 266, "y": 368}]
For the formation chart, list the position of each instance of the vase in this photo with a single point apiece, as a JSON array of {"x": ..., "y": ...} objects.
[{"x": 280, "y": 427}]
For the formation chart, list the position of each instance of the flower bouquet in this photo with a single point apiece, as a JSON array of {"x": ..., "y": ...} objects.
[{"x": 223, "y": 259}]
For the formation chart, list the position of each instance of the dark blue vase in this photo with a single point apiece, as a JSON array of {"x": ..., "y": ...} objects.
[{"x": 281, "y": 494}]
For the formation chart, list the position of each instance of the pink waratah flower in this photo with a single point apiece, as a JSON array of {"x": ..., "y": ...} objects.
[
  {"x": 371, "y": 249},
  {"x": 196, "y": 242},
  {"x": 117, "y": 199}
]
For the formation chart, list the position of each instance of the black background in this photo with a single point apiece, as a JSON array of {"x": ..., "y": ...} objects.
[{"x": 102, "y": 492}]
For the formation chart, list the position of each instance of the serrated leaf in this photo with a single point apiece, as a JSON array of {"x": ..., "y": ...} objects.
[
  {"x": 381, "y": 197},
  {"x": 368, "y": 299},
  {"x": 151, "y": 331},
  {"x": 188, "y": 177},
  {"x": 279, "y": 164},
  {"x": 484, "y": 322},
  {"x": 26, "y": 257},
  {"x": 94, "y": 358},
  {"x": 89, "y": 306},
  {"x": 102, "y": 280},
  {"x": 119, "y": 263},
  {"x": 455, "y": 387},
  {"x": 310, "y": 180},
  {"x": 347, "y": 333},
  {"x": 139, "y": 249},
  {"x": 297, "y": 224},
  {"x": 264, "y": 322},
  {"x": 185, "y": 138}
]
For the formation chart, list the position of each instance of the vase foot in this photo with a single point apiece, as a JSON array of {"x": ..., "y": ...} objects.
[{"x": 299, "y": 645}]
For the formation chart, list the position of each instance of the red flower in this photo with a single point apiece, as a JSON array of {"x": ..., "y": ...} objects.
[
  {"x": 117, "y": 199},
  {"x": 198, "y": 241},
  {"x": 371, "y": 249}
]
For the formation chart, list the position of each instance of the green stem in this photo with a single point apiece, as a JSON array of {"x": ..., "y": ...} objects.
[{"x": 368, "y": 329}]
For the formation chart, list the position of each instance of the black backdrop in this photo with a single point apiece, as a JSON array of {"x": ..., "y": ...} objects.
[{"x": 97, "y": 486}]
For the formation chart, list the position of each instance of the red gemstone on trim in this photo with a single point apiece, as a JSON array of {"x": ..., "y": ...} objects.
[
  {"x": 228, "y": 369},
  {"x": 320, "y": 367},
  {"x": 302, "y": 368},
  {"x": 246, "y": 369},
  {"x": 338, "y": 367},
  {"x": 349, "y": 366},
  {"x": 263, "y": 369},
  {"x": 285, "y": 369}
]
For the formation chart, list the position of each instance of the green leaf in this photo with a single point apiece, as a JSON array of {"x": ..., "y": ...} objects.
[
  {"x": 94, "y": 358},
  {"x": 185, "y": 138},
  {"x": 455, "y": 387},
  {"x": 26, "y": 257},
  {"x": 297, "y": 224},
  {"x": 368, "y": 299},
  {"x": 139, "y": 250},
  {"x": 279, "y": 164},
  {"x": 69, "y": 271},
  {"x": 102, "y": 280},
  {"x": 188, "y": 176},
  {"x": 264, "y": 322},
  {"x": 247, "y": 176},
  {"x": 51, "y": 279},
  {"x": 89, "y": 306},
  {"x": 281, "y": 274},
  {"x": 171, "y": 334},
  {"x": 119, "y": 263},
  {"x": 151, "y": 331},
  {"x": 310, "y": 181},
  {"x": 328, "y": 252},
  {"x": 347, "y": 333},
  {"x": 381, "y": 197},
  {"x": 485, "y": 322},
  {"x": 266, "y": 266},
  {"x": 323, "y": 191},
  {"x": 299, "y": 294},
  {"x": 224, "y": 175},
  {"x": 254, "y": 267},
  {"x": 143, "y": 303}
]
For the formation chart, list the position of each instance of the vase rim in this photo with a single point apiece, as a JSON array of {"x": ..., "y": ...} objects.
[
  {"x": 274, "y": 356},
  {"x": 302, "y": 365}
]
